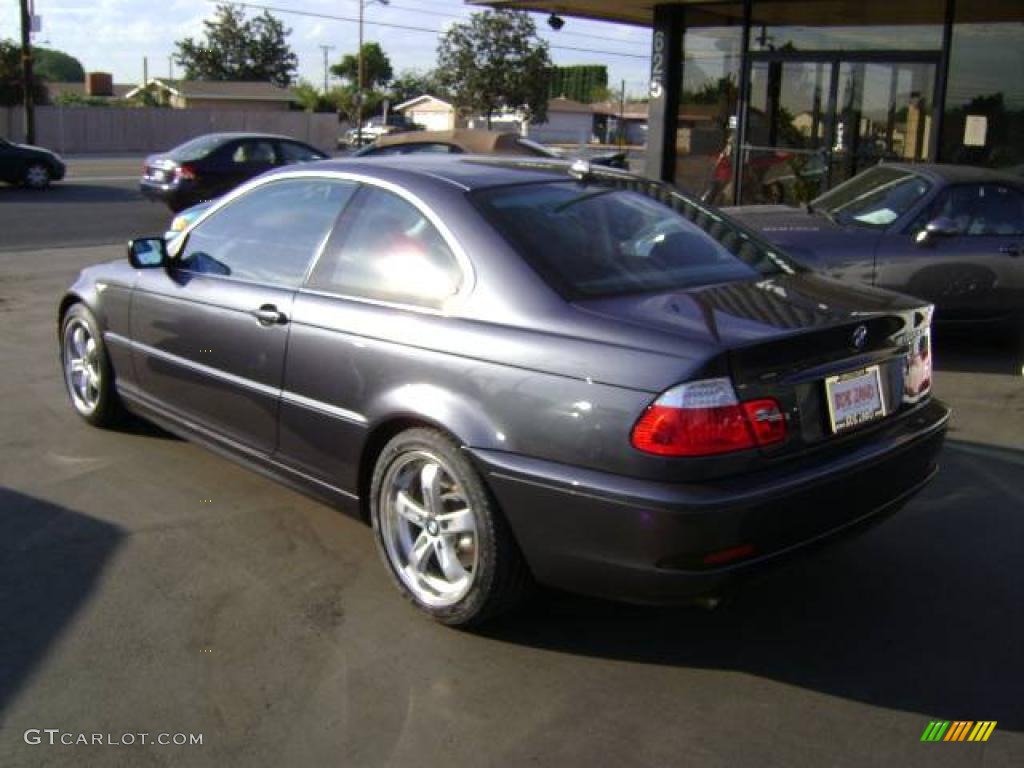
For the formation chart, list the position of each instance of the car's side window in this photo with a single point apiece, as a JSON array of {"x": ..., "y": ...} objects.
[
  {"x": 298, "y": 153},
  {"x": 432, "y": 147},
  {"x": 254, "y": 153},
  {"x": 981, "y": 209},
  {"x": 384, "y": 248},
  {"x": 268, "y": 235}
]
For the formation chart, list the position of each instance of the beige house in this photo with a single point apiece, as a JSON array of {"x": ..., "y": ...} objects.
[
  {"x": 217, "y": 94},
  {"x": 432, "y": 113}
]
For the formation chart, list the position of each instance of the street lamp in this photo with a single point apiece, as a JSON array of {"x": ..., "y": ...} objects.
[{"x": 359, "y": 69}]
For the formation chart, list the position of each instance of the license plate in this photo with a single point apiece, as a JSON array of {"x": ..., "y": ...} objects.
[{"x": 854, "y": 398}]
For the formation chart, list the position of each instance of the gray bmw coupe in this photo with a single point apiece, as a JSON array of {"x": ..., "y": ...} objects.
[{"x": 517, "y": 371}]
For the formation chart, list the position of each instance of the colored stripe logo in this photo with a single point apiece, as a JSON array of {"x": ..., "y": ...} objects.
[{"x": 958, "y": 730}]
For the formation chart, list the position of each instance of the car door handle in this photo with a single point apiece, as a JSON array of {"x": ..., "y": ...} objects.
[
  {"x": 268, "y": 314},
  {"x": 1012, "y": 250}
]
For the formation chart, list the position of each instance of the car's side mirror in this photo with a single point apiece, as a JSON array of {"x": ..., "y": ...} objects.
[
  {"x": 943, "y": 226},
  {"x": 147, "y": 252}
]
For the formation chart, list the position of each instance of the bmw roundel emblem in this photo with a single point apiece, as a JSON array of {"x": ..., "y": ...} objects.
[{"x": 860, "y": 336}]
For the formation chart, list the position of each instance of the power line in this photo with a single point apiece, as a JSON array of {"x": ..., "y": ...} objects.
[
  {"x": 411, "y": 28},
  {"x": 449, "y": 15}
]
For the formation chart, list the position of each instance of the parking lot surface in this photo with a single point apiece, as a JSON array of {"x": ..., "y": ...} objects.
[{"x": 149, "y": 586}]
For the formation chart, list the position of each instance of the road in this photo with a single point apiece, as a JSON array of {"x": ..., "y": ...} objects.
[
  {"x": 149, "y": 586},
  {"x": 97, "y": 203}
]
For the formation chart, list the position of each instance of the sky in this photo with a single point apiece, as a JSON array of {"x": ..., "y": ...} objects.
[{"x": 114, "y": 35}]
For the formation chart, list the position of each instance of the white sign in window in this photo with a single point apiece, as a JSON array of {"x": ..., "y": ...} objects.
[{"x": 975, "y": 128}]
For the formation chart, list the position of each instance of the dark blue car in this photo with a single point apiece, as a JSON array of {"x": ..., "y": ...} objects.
[
  {"x": 211, "y": 165},
  {"x": 952, "y": 235}
]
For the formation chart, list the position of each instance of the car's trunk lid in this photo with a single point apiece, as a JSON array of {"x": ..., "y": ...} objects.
[
  {"x": 159, "y": 168},
  {"x": 782, "y": 337}
]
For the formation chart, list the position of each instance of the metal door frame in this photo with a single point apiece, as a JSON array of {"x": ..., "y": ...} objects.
[{"x": 835, "y": 59}]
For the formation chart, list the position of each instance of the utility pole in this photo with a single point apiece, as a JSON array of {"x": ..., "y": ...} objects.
[
  {"x": 26, "y": 72},
  {"x": 145, "y": 70},
  {"x": 359, "y": 75},
  {"x": 325, "y": 49},
  {"x": 622, "y": 115},
  {"x": 170, "y": 68},
  {"x": 359, "y": 80}
]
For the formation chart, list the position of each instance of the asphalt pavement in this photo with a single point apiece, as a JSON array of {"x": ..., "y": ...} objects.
[{"x": 149, "y": 586}]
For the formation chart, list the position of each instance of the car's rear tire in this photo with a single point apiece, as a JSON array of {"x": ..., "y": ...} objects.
[
  {"x": 440, "y": 533},
  {"x": 88, "y": 375},
  {"x": 36, "y": 176}
]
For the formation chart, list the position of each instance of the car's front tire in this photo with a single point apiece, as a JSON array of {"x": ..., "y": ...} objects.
[
  {"x": 36, "y": 176},
  {"x": 88, "y": 375},
  {"x": 440, "y": 533}
]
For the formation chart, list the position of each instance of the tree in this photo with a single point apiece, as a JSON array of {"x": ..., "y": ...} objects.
[
  {"x": 586, "y": 83},
  {"x": 57, "y": 66},
  {"x": 312, "y": 98},
  {"x": 11, "y": 92},
  {"x": 236, "y": 48},
  {"x": 376, "y": 67},
  {"x": 410, "y": 83},
  {"x": 493, "y": 61}
]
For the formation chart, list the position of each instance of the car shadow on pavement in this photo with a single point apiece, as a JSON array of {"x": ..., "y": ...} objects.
[
  {"x": 51, "y": 557},
  {"x": 140, "y": 427},
  {"x": 77, "y": 193},
  {"x": 923, "y": 613},
  {"x": 978, "y": 350}
]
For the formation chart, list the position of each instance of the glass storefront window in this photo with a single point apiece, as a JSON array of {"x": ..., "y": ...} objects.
[
  {"x": 984, "y": 120},
  {"x": 712, "y": 56},
  {"x": 811, "y": 25}
]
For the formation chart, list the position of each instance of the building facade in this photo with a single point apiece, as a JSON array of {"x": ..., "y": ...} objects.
[{"x": 777, "y": 100}]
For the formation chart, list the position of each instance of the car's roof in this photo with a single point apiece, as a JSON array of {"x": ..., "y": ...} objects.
[
  {"x": 229, "y": 135},
  {"x": 957, "y": 174},
  {"x": 466, "y": 171},
  {"x": 471, "y": 140}
]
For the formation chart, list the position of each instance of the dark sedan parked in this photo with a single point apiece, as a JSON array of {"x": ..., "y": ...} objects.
[
  {"x": 951, "y": 235},
  {"x": 518, "y": 370},
  {"x": 31, "y": 166},
  {"x": 211, "y": 165}
]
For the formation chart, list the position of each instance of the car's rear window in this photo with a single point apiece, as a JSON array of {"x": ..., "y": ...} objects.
[
  {"x": 196, "y": 149},
  {"x": 596, "y": 240}
]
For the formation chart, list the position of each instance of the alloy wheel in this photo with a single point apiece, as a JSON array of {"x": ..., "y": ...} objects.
[
  {"x": 36, "y": 176},
  {"x": 82, "y": 372},
  {"x": 428, "y": 529}
]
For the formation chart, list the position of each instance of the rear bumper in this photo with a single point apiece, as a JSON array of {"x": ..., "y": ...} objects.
[
  {"x": 173, "y": 194},
  {"x": 642, "y": 541}
]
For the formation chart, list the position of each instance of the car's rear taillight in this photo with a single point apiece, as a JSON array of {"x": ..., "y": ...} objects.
[
  {"x": 185, "y": 172},
  {"x": 704, "y": 418},
  {"x": 917, "y": 377}
]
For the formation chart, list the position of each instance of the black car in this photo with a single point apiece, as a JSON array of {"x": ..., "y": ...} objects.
[
  {"x": 951, "y": 235},
  {"x": 209, "y": 166},
  {"x": 518, "y": 370},
  {"x": 31, "y": 166}
]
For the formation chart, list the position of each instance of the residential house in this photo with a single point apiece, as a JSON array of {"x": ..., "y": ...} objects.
[
  {"x": 432, "y": 113},
  {"x": 218, "y": 94}
]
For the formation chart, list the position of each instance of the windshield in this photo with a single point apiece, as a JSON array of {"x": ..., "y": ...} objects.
[
  {"x": 196, "y": 149},
  {"x": 596, "y": 240},
  {"x": 875, "y": 198},
  {"x": 537, "y": 149}
]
